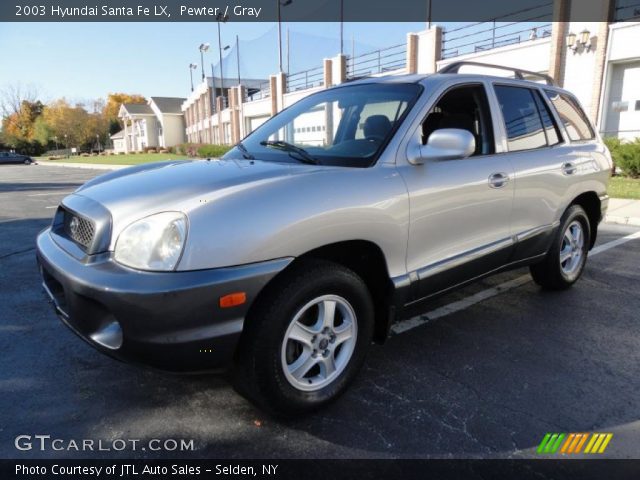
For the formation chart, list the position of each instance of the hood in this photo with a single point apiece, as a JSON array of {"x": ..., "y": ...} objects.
[{"x": 133, "y": 193}]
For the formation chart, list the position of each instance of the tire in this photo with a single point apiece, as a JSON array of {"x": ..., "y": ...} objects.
[
  {"x": 572, "y": 242},
  {"x": 27, "y": 161},
  {"x": 270, "y": 371}
]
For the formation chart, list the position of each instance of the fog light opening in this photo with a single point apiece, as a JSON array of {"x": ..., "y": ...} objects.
[{"x": 108, "y": 336}]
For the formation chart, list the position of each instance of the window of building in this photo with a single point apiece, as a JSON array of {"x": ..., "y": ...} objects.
[
  {"x": 571, "y": 115},
  {"x": 521, "y": 117}
]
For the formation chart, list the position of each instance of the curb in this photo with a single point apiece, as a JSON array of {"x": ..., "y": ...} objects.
[{"x": 89, "y": 166}]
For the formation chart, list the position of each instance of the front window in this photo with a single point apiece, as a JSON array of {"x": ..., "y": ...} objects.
[{"x": 347, "y": 126}]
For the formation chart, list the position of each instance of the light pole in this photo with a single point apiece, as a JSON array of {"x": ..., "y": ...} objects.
[
  {"x": 280, "y": 3},
  {"x": 192, "y": 67},
  {"x": 221, "y": 18},
  {"x": 238, "y": 57},
  {"x": 55, "y": 139},
  {"x": 204, "y": 47},
  {"x": 341, "y": 27},
  {"x": 66, "y": 142}
]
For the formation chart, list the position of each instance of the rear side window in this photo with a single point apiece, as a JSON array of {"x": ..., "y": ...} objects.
[
  {"x": 521, "y": 118},
  {"x": 572, "y": 116}
]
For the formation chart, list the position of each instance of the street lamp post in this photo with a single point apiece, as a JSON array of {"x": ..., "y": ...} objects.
[
  {"x": 192, "y": 67},
  {"x": 280, "y": 3},
  {"x": 55, "y": 139},
  {"x": 66, "y": 142},
  {"x": 98, "y": 142},
  {"x": 238, "y": 57},
  {"x": 221, "y": 18},
  {"x": 204, "y": 47},
  {"x": 341, "y": 27}
]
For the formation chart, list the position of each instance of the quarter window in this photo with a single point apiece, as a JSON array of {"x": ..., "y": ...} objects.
[
  {"x": 572, "y": 116},
  {"x": 521, "y": 118}
]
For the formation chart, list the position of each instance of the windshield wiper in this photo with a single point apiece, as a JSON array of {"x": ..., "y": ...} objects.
[
  {"x": 245, "y": 153},
  {"x": 303, "y": 157}
]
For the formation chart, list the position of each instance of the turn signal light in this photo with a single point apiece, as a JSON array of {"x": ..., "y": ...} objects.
[{"x": 233, "y": 299}]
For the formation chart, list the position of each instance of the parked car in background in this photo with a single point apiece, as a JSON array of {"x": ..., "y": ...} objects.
[
  {"x": 12, "y": 157},
  {"x": 286, "y": 258}
]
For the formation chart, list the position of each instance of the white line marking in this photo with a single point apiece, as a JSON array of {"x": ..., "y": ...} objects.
[
  {"x": 459, "y": 305},
  {"x": 50, "y": 193},
  {"x": 51, "y": 206}
]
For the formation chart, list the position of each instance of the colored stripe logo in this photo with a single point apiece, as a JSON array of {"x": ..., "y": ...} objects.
[{"x": 571, "y": 443}]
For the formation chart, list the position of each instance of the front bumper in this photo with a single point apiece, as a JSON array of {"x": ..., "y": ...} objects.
[{"x": 168, "y": 320}]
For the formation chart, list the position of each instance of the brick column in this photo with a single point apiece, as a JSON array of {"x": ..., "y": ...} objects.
[
  {"x": 241, "y": 123},
  {"x": 219, "y": 107},
  {"x": 234, "y": 117},
  {"x": 602, "y": 42},
  {"x": 273, "y": 94},
  {"x": 328, "y": 73},
  {"x": 412, "y": 53},
  {"x": 558, "y": 53}
]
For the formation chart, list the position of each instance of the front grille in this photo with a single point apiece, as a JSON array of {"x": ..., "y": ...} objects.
[{"x": 78, "y": 229}]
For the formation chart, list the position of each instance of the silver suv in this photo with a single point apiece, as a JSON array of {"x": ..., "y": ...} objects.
[{"x": 284, "y": 260}]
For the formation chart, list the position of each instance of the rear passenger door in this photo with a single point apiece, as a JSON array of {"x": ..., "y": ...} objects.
[{"x": 542, "y": 163}]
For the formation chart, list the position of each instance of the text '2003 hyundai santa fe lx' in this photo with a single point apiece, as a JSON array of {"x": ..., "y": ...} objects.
[{"x": 286, "y": 258}]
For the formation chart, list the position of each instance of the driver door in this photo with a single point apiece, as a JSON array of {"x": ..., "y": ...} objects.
[{"x": 460, "y": 209}]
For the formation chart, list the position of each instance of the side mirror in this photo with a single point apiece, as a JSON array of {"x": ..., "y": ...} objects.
[{"x": 445, "y": 144}]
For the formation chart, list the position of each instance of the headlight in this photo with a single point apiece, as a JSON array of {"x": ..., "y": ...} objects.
[{"x": 153, "y": 243}]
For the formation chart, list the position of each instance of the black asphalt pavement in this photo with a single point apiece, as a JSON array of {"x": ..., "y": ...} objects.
[{"x": 486, "y": 381}]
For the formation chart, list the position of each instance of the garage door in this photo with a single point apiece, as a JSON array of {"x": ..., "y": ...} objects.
[{"x": 623, "y": 106}]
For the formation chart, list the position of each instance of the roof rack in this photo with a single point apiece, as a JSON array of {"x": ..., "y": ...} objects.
[{"x": 518, "y": 72}]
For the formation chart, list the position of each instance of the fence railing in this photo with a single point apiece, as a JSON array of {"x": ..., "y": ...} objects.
[
  {"x": 313, "y": 77},
  {"x": 262, "y": 90},
  {"x": 515, "y": 27},
  {"x": 377, "y": 61},
  {"x": 626, "y": 10}
]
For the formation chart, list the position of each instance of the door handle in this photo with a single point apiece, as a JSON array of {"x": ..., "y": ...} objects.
[
  {"x": 498, "y": 180},
  {"x": 569, "y": 168}
]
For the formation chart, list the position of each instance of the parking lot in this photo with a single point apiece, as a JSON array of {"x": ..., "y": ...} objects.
[{"x": 486, "y": 372}]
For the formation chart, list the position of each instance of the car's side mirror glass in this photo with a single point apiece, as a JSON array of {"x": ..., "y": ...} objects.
[{"x": 444, "y": 144}]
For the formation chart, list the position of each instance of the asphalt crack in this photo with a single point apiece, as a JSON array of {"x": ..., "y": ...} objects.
[{"x": 7, "y": 255}]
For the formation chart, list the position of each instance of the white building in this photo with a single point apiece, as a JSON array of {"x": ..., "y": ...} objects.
[
  {"x": 158, "y": 123},
  {"x": 599, "y": 62}
]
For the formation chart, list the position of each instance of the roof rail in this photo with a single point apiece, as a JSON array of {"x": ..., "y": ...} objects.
[{"x": 518, "y": 72}]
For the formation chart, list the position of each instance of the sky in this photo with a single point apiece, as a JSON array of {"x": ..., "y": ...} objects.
[{"x": 83, "y": 61}]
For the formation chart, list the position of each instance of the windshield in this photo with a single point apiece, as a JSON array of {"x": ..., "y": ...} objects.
[{"x": 347, "y": 126}]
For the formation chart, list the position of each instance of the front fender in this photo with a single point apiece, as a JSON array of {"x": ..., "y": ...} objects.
[{"x": 296, "y": 214}]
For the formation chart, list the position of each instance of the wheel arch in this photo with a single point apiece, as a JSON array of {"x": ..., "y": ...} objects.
[
  {"x": 367, "y": 260},
  {"x": 590, "y": 202}
]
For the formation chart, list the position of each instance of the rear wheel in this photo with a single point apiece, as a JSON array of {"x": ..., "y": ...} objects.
[
  {"x": 305, "y": 339},
  {"x": 567, "y": 256},
  {"x": 27, "y": 161}
]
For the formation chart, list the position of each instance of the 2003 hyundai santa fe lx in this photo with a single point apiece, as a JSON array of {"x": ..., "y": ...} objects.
[{"x": 285, "y": 259}]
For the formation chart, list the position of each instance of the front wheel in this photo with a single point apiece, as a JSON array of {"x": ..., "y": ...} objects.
[
  {"x": 305, "y": 339},
  {"x": 567, "y": 256},
  {"x": 27, "y": 161}
]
